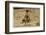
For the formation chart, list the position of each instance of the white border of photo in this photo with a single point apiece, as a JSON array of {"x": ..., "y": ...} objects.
[{"x": 12, "y": 29}]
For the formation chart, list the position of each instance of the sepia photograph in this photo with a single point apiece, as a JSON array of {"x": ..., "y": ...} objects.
[{"x": 26, "y": 17}]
